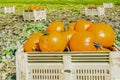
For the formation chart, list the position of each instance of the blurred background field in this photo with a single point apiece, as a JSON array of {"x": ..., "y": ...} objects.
[
  {"x": 54, "y": 4},
  {"x": 14, "y": 31},
  {"x": 61, "y": 1}
]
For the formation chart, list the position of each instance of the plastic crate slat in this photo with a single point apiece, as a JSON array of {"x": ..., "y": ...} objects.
[
  {"x": 73, "y": 54},
  {"x": 57, "y": 57},
  {"x": 91, "y": 56},
  {"x": 92, "y": 74},
  {"x": 45, "y": 60},
  {"x": 90, "y": 60},
  {"x": 45, "y": 74}
]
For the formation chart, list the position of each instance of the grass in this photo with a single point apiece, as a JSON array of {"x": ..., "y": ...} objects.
[
  {"x": 117, "y": 2},
  {"x": 53, "y": 4},
  {"x": 49, "y": 7}
]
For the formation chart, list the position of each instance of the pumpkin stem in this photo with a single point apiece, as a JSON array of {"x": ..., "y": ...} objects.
[
  {"x": 97, "y": 45},
  {"x": 45, "y": 32},
  {"x": 34, "y": 49},
  {"x": 67, "y": 49}
]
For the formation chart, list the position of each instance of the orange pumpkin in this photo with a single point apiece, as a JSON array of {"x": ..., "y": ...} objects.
[
  {"x": 82, "y": 41},
  {"x": 67, "y": 35},
  {"x": 39, "y": 7},
  {"x": 52, "y": 42},
  {"x": 104, "y": 34},
  {"x": 71, "y": 26},
  {"x": 55, "y": 26},
  {"x": 82, "y": 25},
  {"x": 91, "y": 6},
  {"x": 31, "y": 7},
  {"x": 32, "y": 44}
]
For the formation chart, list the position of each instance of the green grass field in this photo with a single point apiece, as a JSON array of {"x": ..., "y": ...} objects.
[
  {"x": 54, "y": 4},
  {"x": 117, "y": 2}
]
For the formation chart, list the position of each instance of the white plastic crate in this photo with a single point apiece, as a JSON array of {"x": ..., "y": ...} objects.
[
  {"x": 95, "y": 11},
  {"x": 115, "y": 65},
  {"x": 67, "y": 65},
  {"x": 34, "y": 15},
  {"x": 108, "y": 5},
  {"x": 0, "y": 71},
  {"x": 8, "y": 9},
  {"x": 0, "y": 76}
]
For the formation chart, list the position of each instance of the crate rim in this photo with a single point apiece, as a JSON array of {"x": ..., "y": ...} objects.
[{"x": 20, "y": 49}]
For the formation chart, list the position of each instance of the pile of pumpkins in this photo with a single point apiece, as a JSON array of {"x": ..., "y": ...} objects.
[
  {"x": 33, "y": 7},
  {"x": 92, "y": 6},
  {"x": 82, "y": 35}
]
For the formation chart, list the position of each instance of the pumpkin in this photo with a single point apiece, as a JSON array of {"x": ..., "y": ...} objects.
[
  {"x": 91, "y": 6},
  {"x": 82, "y": 41},
  {"x": 31, "y": 7},
  {"x": 55, "y": 26},
  {"x": 52, "y": 42},
  {"x": 39, "y": 7},
  {"x": 67, "y": 35},
  {"x": 71, "y": 26},
  {"x": 82, "y": 25},
  {"x": 32, "y": 44},
  {"x": 104, "y": 34}
]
